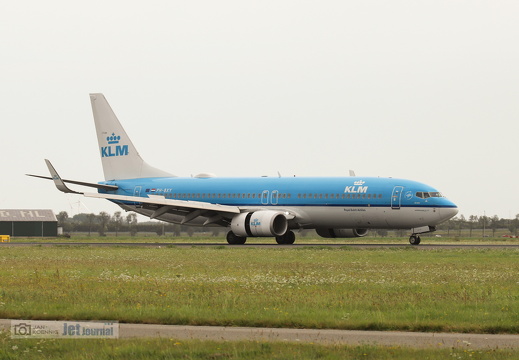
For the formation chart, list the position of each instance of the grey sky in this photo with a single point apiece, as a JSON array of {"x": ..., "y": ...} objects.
[{"x": 424, "y": 90}]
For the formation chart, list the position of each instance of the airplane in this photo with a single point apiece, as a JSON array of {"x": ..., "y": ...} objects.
[{"x": 336, "y": 207}]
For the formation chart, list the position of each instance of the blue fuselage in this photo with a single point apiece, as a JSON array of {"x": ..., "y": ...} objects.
[
  {"x": 347, "y": 202},
  {"x": 296, "y": 191}
]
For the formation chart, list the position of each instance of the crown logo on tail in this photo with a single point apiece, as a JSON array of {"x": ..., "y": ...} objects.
[{"x": 113, "y": 139}]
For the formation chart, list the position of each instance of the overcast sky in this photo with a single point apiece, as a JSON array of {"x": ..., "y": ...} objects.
[{"x": 423, "y": 90}]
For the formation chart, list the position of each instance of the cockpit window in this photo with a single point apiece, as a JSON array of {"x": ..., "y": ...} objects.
[{"x": 425, "y": 194}]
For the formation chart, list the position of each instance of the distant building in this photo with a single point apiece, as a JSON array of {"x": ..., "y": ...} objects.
[{"x": 31, "y": 222}]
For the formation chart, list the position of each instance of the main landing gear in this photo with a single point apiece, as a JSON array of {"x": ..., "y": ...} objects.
[
  {"x": 287, "y": 239},
  {"x": 414, "y": 239},
  {"x": 235, "y": 239}
]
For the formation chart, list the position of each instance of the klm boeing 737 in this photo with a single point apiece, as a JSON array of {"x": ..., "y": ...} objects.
[{"x": 336, "y": 207}]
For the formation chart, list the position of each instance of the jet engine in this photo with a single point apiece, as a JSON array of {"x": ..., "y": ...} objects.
[
  {"x": 260, "y": 223},
  {"x": 341, "y": 233}
]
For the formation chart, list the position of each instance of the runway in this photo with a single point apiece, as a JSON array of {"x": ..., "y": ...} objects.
[
  {"x": 315, "y": 336},
  {"x": 265, "y": 245}
]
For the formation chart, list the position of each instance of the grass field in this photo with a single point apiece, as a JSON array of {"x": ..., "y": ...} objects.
[
  {"x": 313, "y": 287},
  {"x": 313, "y": 240},
  {"x": 173, "y": 349},
  {"x": 377, "y": 289}
]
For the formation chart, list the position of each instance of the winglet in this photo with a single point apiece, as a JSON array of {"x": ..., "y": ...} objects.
[{"x": 58, "y": 181}]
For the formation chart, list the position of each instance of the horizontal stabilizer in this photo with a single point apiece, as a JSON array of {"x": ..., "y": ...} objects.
[{"x": 97, "y": 186}]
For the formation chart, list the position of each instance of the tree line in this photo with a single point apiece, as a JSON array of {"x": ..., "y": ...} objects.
[
  {"x": 103, "y": 223},
  {"x": 487, "y": 224}
]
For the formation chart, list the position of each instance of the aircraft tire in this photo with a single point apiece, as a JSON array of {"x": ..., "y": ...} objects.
[
  {"x": 233, "y": 239},
  {"x": 414, "y": 239},
  {"x": 287, "y": 239}
]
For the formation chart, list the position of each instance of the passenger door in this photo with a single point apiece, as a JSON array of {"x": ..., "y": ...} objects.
[{"x": 396, "y": 197}]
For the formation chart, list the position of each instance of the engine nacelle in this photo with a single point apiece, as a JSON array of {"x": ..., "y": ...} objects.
[
  {"x": 260, "y": 223},
  {"x": 341, "y": 233}
]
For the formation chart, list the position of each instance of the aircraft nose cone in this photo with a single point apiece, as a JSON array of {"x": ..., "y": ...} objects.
[{"x": 447, "y": 213}]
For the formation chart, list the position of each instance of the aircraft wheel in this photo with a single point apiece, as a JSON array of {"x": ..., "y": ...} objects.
[
  {"x": 287, "y": 239},
  {"x": 414, "y": 239},
  {"x": 233, "y": 239}
]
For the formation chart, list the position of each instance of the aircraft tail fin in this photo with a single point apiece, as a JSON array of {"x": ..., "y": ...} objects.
[{"x": 118, "y": 154}]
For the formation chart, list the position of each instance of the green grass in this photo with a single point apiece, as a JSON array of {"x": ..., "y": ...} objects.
[
  {"x": 375, "y": 289},
  {"x": 173, "y": 349},
  {"x": 429, "y": 239}
]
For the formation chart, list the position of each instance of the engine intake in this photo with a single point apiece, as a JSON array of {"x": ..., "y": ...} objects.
[
  {"x": 341, "y": 233},
  {"x": 260, "y": 223}
]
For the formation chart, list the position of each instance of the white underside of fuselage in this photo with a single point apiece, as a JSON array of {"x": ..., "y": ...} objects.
[{"x": 311, "y": 217}]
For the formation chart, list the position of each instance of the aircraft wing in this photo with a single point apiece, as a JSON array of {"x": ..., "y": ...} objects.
[
  {"x": 162, "y": 201},
  {"x": 190, "y": 210}
]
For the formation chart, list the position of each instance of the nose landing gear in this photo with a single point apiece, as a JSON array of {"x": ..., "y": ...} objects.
[{"x": 414, "y": 239}]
